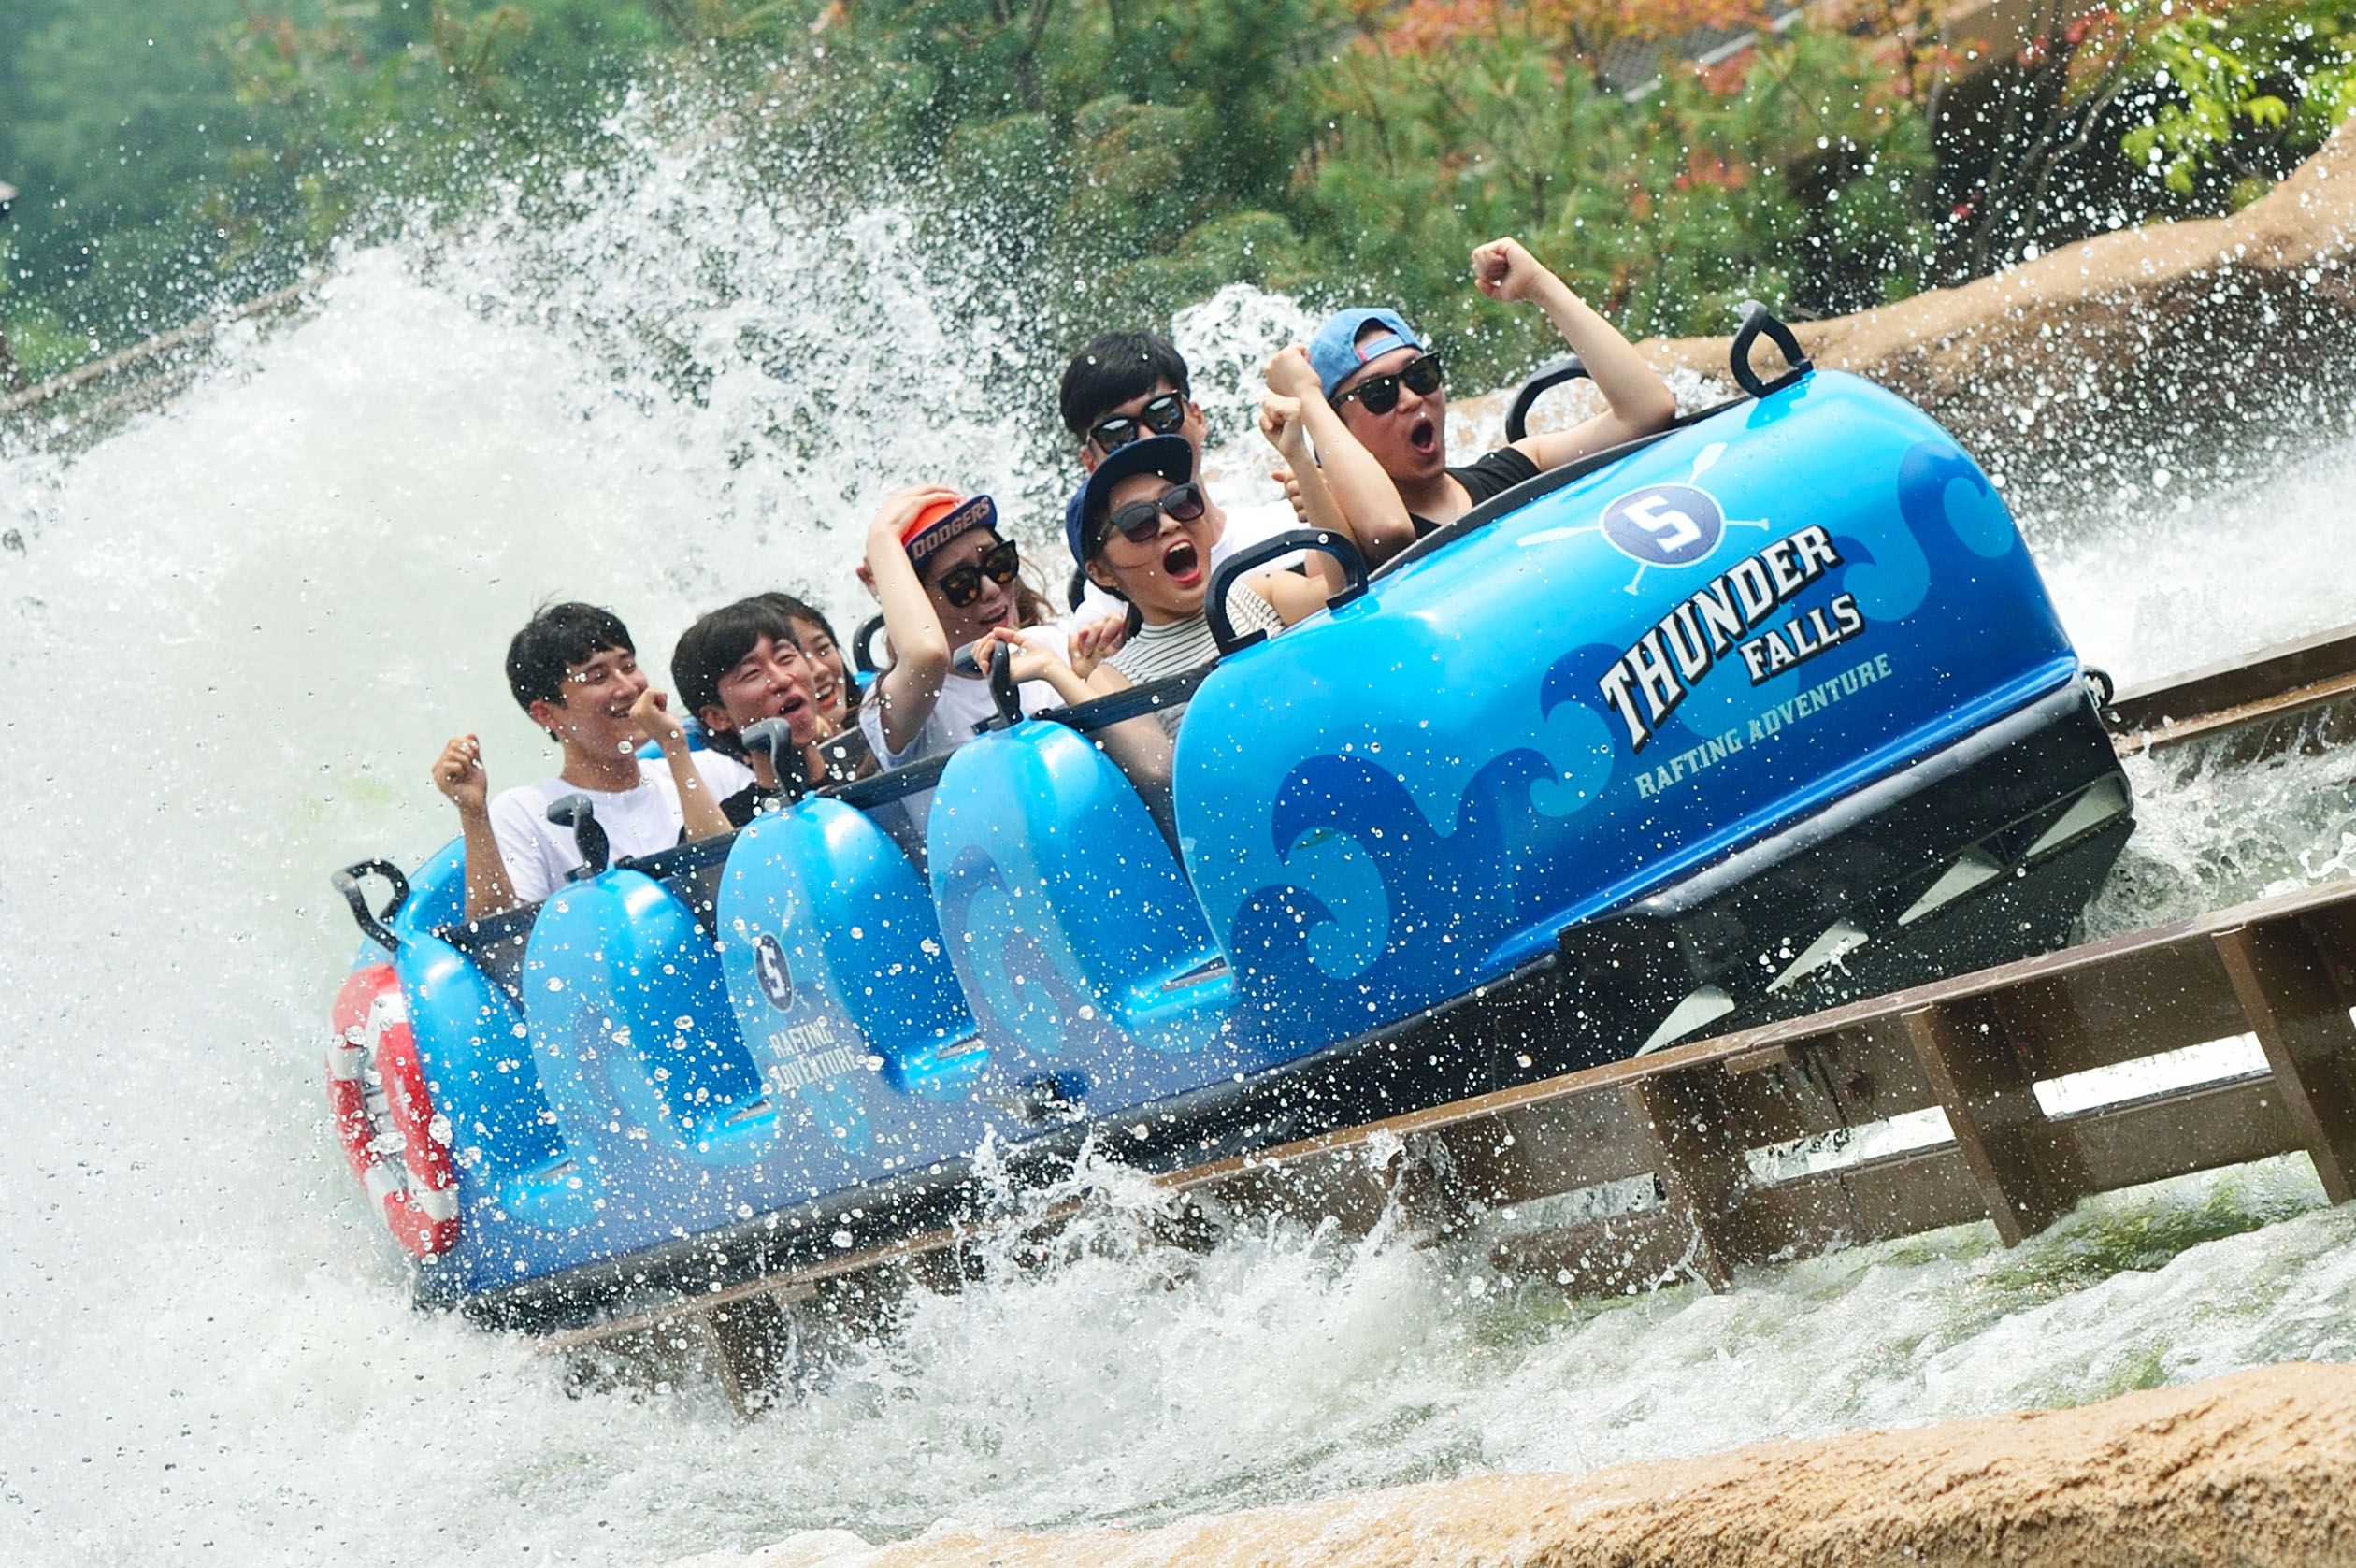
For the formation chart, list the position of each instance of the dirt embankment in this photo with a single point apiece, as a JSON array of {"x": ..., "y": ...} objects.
[
  {"x": 2156, "y": 333},
  {"x": 2257, "y": 1469}
]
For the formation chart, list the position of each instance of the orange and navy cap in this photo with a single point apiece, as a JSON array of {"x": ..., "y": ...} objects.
[{"x": 944, "y": 521}]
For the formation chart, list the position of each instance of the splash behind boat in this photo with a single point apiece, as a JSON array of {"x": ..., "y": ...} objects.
[{"x": 1763, "y": 713}]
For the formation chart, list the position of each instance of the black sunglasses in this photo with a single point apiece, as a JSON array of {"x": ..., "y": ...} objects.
[
  {"x": 1379, "y": 394},
  {"x": 1139, "y": 521},
  {"x": 1161, "y": 415},
  {"x": 962, "y": 584}
]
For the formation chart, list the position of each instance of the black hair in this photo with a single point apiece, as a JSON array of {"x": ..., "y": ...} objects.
[
  {"x": 716, "y": 644},
  {"x": 556, "y": 637},
  {"x": 1110, "y": 369},
  {"x": 797, "y": 608},
  {"x": 794, "y": 606}
]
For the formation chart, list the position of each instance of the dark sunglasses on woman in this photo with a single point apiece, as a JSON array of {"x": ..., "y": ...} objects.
[
  {"x": 1139, "y": 521},
  {"x": 962, "y": 584},
  {"x": 1379, "y": 394},
  {"x": 1161, "y": 416}
]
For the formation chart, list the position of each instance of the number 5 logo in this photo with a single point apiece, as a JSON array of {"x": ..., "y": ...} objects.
[{"x": 1664, "y": 525}]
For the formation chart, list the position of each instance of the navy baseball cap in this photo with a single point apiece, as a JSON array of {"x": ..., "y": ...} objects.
[
  {"x": 1171, "y": 457},
  {"x": 1335, "y": 354}
]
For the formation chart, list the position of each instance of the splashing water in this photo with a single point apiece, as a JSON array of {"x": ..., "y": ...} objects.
[{"x": 253, "y": 617}]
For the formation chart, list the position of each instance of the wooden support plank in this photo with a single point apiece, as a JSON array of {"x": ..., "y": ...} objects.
[
  {"x": 2183, "y": 1130},
  {"x": 2283, "y": 977},
  {"x": 1699, "y": 1167},
  {"x": 1615, "y": 1257},
  {"x": 2160, "y": 998},
  {"x": 751, "y": 1346},
  {"x": 1555, "y": 1145},
  {"x": 2028, "y": 1175},
  {"x": 1875, "y": 1200},
  {"x": 2285, "y": 681}
]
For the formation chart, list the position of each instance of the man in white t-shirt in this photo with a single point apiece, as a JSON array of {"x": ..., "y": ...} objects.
[
  {"x": 574, "y": 669},
  {"x": 1123, "y": 386}
]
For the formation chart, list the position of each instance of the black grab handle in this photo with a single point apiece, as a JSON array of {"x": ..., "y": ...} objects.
[
  {"x": 1004, "y": 694},
  {"x": 577, "y": 813},
  {"x": 1758, "y": 318},
  {"x": 373, "y": 925},
  {"x": 776, "y": 738},
  {"x": 1543, "y": 379},
  {"x": 1216, "y": 605},
  {"x": 863, "y": 645}
]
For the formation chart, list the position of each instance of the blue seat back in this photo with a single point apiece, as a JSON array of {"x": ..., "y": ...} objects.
[
  {"x": 513, "y": 1159},
  {"x": 1075, "y": 935},
  {"x": 636, "y": 1041},
  {"x": 842, "y": 989}
]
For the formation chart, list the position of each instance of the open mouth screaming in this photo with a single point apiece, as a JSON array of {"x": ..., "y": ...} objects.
[
  {"x": 1181, "y": 563},
  {"x": 1423, "y": 437}
]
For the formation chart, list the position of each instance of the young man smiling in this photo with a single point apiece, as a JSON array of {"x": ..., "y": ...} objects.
[
  {"x": 1375, "y": 372},
  {"x": 574, "y": 669}
]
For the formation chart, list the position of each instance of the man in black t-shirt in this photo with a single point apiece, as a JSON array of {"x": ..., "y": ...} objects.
[{"x": 1378, "y": 375}]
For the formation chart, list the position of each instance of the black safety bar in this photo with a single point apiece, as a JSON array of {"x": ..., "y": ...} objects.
[
  {"x": 867, "y": 794},
  {"x": 1543, "y": 379},
  {"x": 1102, "y": 713},
  {"x": 1273, "y": 548},
  {"x": 1004, "y": 694},
  {"x": 375, "y": 926},
  {"x": 680, "y": 860}
]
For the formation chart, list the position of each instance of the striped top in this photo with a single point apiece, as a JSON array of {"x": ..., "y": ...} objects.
[{"x": 1174, "y": 647}]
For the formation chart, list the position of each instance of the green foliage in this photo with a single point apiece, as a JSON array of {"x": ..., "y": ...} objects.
[
  {"x": 1796, "y": 180},
  {"x": 1114, "y": 160},
  {"x": 2288, "y": 71}
]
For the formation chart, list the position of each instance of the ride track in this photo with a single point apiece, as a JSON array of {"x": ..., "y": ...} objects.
[{"x": 1705, "y": 1124}]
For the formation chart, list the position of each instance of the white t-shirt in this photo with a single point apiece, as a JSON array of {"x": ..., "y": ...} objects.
[
  {"x": 540, "y": 853},
  {"x": 1246, "y": 528}
]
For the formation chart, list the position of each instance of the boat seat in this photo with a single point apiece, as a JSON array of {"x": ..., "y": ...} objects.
[{"x": 1071, "y": 925}]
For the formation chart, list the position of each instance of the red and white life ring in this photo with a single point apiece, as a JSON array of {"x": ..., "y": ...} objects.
[{"x": 418, "y": 1191}]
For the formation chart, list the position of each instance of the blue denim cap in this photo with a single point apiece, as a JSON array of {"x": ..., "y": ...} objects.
[
  {"x": 1336, "y": 357},
  {"x": 1171, "y": 457}
]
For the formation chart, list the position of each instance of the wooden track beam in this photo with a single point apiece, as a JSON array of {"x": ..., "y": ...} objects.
[{"x": 2301, "y": 1018}]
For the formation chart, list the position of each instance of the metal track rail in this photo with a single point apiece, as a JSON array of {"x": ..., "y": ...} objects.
[{"x": 2301, "y": 691}]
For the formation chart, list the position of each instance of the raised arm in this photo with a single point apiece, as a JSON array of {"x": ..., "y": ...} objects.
[
  {"x": 699, "y": 807},
  {"x": 920, "y": 649},
  {"x": 1296, "y": 596},
  {"x": 459, "y": 773},
  {"x": 1637, "y": 401},
  {"x": 1362, "y": 498}
]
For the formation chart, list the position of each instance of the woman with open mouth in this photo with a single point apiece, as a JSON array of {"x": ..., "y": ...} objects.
[{"x": 1138, "y": 532}]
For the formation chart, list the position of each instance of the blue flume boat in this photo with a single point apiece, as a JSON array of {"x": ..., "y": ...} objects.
[{"x": 1758, "y": 714}]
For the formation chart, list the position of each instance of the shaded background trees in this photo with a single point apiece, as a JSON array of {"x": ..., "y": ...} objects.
[{"x": 1122, "y": 158}]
